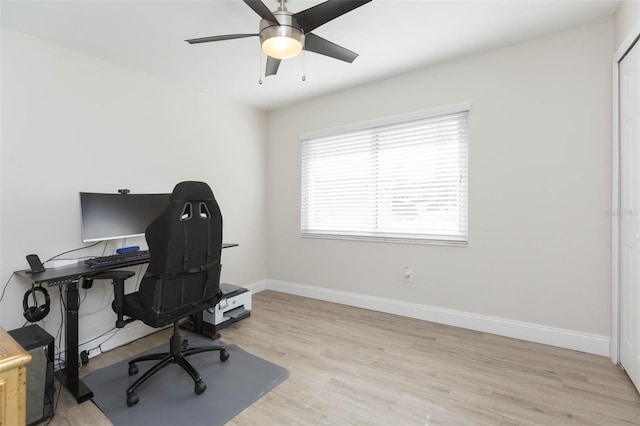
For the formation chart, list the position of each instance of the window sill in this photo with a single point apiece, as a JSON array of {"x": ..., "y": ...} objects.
[{"x": 397, "y": 240}]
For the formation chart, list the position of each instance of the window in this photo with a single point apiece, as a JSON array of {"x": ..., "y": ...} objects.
[{"x": 398, "y": 179}]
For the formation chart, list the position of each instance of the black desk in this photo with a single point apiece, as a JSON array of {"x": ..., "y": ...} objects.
[{"x": 71, "y": 276}]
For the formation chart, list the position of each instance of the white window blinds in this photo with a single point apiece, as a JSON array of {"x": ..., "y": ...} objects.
[{"x": 400, "y": 179}]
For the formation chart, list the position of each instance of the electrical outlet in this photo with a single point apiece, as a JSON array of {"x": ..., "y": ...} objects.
[
  {"x": 94, "y": 352},
  {"x": 407, "y": 274}
]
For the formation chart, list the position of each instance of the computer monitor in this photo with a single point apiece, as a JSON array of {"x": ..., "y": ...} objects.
[{"x": 113, "y": 216}]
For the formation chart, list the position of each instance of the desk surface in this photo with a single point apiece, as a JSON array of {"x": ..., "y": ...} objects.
[{"x": 70, "y": 273}]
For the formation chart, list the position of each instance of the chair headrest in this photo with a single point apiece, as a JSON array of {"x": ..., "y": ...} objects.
[{"x": 191, "y": 190}]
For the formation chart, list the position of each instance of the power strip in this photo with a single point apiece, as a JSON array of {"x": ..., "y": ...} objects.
[{"x": 53, "y": 264}]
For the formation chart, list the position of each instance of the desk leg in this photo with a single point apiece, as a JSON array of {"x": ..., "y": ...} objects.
[{"x": 72, "y": 381}]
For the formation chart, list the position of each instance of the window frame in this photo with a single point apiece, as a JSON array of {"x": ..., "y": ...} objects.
[{"x": 449, "y": 240}]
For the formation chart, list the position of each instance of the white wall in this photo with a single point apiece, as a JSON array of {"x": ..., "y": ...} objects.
[
  {"x": 626, "y": 18},
  {"x": 74, "y": 123},
  {"x": 540, "y": 168},
  {"x": 540, "y": 156}
]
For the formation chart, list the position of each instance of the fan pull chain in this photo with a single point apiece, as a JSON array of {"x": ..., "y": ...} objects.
[
  {"x": 260, "y": 65},
  {"x": 304, "y": 66}
]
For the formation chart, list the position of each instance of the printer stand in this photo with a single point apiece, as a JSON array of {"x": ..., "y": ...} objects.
[{"x": 234, "y": 306}]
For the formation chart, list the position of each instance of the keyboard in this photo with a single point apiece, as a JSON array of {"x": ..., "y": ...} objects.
[{"x": 121, "y": 259}]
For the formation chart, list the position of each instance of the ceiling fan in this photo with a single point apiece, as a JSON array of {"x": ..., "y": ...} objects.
[{"x": 284, "y": 34}]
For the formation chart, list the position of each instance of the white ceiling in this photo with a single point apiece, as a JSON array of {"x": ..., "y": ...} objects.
[{"x": 391, "y": 36}]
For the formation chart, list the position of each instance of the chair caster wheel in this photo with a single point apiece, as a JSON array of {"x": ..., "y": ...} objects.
[
  {"x": 200, "y": 387},
  {"x": 133, "y": 369},
  {"x": 224, "y": 355},
  {"x": 132, "y": 399},
  {"x": 185, "y": 344}
]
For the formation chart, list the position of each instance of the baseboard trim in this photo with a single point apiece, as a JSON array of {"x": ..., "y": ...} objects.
[
  {"x": 257, "y": 286},
  {"x": 568, "y": 339}
]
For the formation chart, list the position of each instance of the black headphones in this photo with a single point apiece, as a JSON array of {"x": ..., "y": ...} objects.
[{"x": 36, "y": 313}]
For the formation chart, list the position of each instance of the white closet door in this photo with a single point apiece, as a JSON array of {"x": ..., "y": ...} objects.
[{"x": 629, "y": 97}]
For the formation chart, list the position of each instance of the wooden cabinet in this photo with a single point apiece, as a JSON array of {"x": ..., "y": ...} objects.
[{"x": 13, "y": 381}]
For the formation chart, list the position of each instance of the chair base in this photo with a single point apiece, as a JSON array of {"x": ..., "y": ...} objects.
[{"x": 178, "y": 355}]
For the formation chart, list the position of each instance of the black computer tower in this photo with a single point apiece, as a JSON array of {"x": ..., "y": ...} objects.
[{"x": 40, "y": 386}]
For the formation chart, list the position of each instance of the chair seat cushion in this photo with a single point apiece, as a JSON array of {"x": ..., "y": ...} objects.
[{"x": 133, "y": 308}]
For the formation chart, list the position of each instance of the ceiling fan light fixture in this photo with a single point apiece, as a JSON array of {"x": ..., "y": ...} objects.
[
  {"x": 282, "y": 47},
  {"x": 282, "y": 42}
]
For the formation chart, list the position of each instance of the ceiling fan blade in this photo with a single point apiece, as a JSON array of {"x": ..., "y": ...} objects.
[
  {"x": 262, "y": 10},
  {"x": 314, "y": 43},
  {"x": 272, "y": 66},
  {"x": 312, "y": 18},
  {"x": 219, "y": 38}
]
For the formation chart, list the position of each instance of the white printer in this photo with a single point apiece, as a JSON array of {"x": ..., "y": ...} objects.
[{"x": 234, "y": 306}]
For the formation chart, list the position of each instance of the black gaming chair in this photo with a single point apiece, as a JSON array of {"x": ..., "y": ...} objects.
[{"x": 183, "y": 278}]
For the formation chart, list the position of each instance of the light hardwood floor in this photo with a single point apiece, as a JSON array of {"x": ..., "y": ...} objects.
[{"x": 352, "y": 366}]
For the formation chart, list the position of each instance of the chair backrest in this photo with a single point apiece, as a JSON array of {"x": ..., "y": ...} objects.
[{"x": 185, "y": 244}]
